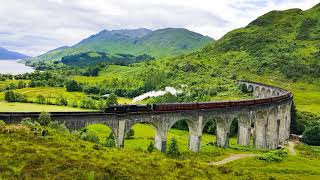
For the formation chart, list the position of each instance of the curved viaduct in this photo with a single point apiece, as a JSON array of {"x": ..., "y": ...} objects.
[{"x": 267, "y": 118}]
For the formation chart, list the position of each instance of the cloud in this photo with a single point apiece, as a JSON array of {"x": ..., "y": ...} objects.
[{"x": 37, "y": 26}]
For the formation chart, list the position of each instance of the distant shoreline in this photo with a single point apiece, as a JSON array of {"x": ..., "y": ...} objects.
[{"x": 14, "y": 67}]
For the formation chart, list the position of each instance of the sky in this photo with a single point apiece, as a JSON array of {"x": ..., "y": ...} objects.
[{"x": 34, "y": 27}]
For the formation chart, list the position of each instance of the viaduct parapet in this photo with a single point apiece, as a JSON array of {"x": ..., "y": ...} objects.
[{"x": 266, "y": 118}]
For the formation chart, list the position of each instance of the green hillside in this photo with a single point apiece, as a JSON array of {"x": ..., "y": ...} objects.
[
  {"x": 25, "y": 154},
  {"x": 280, "y": 48},
  {"x": 279, "y": 42},
  {"x": 163, "y": 42}
]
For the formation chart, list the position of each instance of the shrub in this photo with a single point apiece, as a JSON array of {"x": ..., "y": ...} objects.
[
  {"x": 273, "y": 156},
  {"x": 173, "y": 148},
  {"x": 9, "y": 96},
  {"x": 74, "y": 103},
  {"x": 87, "y": 103},
  {"x": 151, "y": 147},
  {"x": 210, "y": 127},
  {"x": 130, "y": 134},
  {"x": 90, "y": 136},
  {"x": 101, "y": 104},
  {"x": 305, "y": 120},
  {"x": 40, "y": 99},
  {"x": 112, "y": 99},
  {"x": 91, "y": 89},
  {"x": 29, "y": 122},
  {"x": 44, "y": 118},
  {"x": 21, "y": 98},
  {"x": 110, "y": 141},
  {"x": 311, "y": 135},
  {"x": 21, "y": 85},
  {"x": 224, "y": 170},
  {"x": 2, "y": 123},
  {"x": 73, "y": 86},
  {"x": 62, "y": 101},
  {"x": 61, "y": 127},
  {"x": 154, "y": 80}
]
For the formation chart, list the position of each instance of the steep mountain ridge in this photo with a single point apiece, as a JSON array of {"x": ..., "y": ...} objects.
[
  {"x": 158, "y": 43},
  {"x": 6, "y": 54}
]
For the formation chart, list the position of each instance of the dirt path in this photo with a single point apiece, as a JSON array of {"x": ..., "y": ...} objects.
[
  {"x": 291, "y": 148},
  {"x": 233, "y": 157}
]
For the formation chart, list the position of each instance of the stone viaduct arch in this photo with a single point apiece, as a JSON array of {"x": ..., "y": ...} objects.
[{"x": 269, "y": 112}]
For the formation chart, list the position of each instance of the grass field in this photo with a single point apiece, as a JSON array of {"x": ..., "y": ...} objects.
[
  {"x": 111, "y": 72},
  {"x": 49, "y": 93},
  {"x": 27, "y": 107},
  {"x": 8, "y": 82},
  {"x": 64, "y": 156},
  {"x": 144, "y": 134}
]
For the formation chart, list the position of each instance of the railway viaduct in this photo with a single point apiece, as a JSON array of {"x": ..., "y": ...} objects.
[{"x": 268, "y": 121}]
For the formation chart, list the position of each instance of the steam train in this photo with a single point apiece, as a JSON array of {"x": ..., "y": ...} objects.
[{"x": 122, "y": 109}]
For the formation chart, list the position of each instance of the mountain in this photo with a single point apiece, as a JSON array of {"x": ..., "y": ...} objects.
[
  {"x": 163, "y": 42},
  {"x": 59, "y": 48},
  {"x": 5, "y": 55}
]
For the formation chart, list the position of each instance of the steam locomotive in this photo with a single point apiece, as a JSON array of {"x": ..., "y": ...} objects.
[{"x": 122, "y": 109}]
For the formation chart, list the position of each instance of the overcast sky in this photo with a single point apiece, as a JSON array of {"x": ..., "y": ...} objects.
[{"x": 36, "y": 26}]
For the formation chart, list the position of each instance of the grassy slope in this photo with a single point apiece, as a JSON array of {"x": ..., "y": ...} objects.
[
  {"x": 112, "y": 72},
  {"x": 49, "y": 93},
  {"x": 8, "y": 82},
  {"x": 27, "y": 107},
  {"x": 62, "y": 156},
  {"x": 165, "y": 42},
  {"x": 306, "y": 95},
  {"x": 144, "y": 134},
  {"x": 134, "y": 75}
]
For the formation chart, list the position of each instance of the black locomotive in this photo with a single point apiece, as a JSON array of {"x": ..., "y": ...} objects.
[{"x": 122, "y": 109}]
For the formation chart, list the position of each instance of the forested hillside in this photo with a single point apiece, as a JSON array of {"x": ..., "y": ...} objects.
[
  {"x": 93, "y": 58},
  {"x": 279, "y": 42},
  {"x": 158, "y": 43}
]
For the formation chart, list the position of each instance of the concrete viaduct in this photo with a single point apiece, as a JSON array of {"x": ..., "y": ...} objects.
[{"x": 267, "y": 119}]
